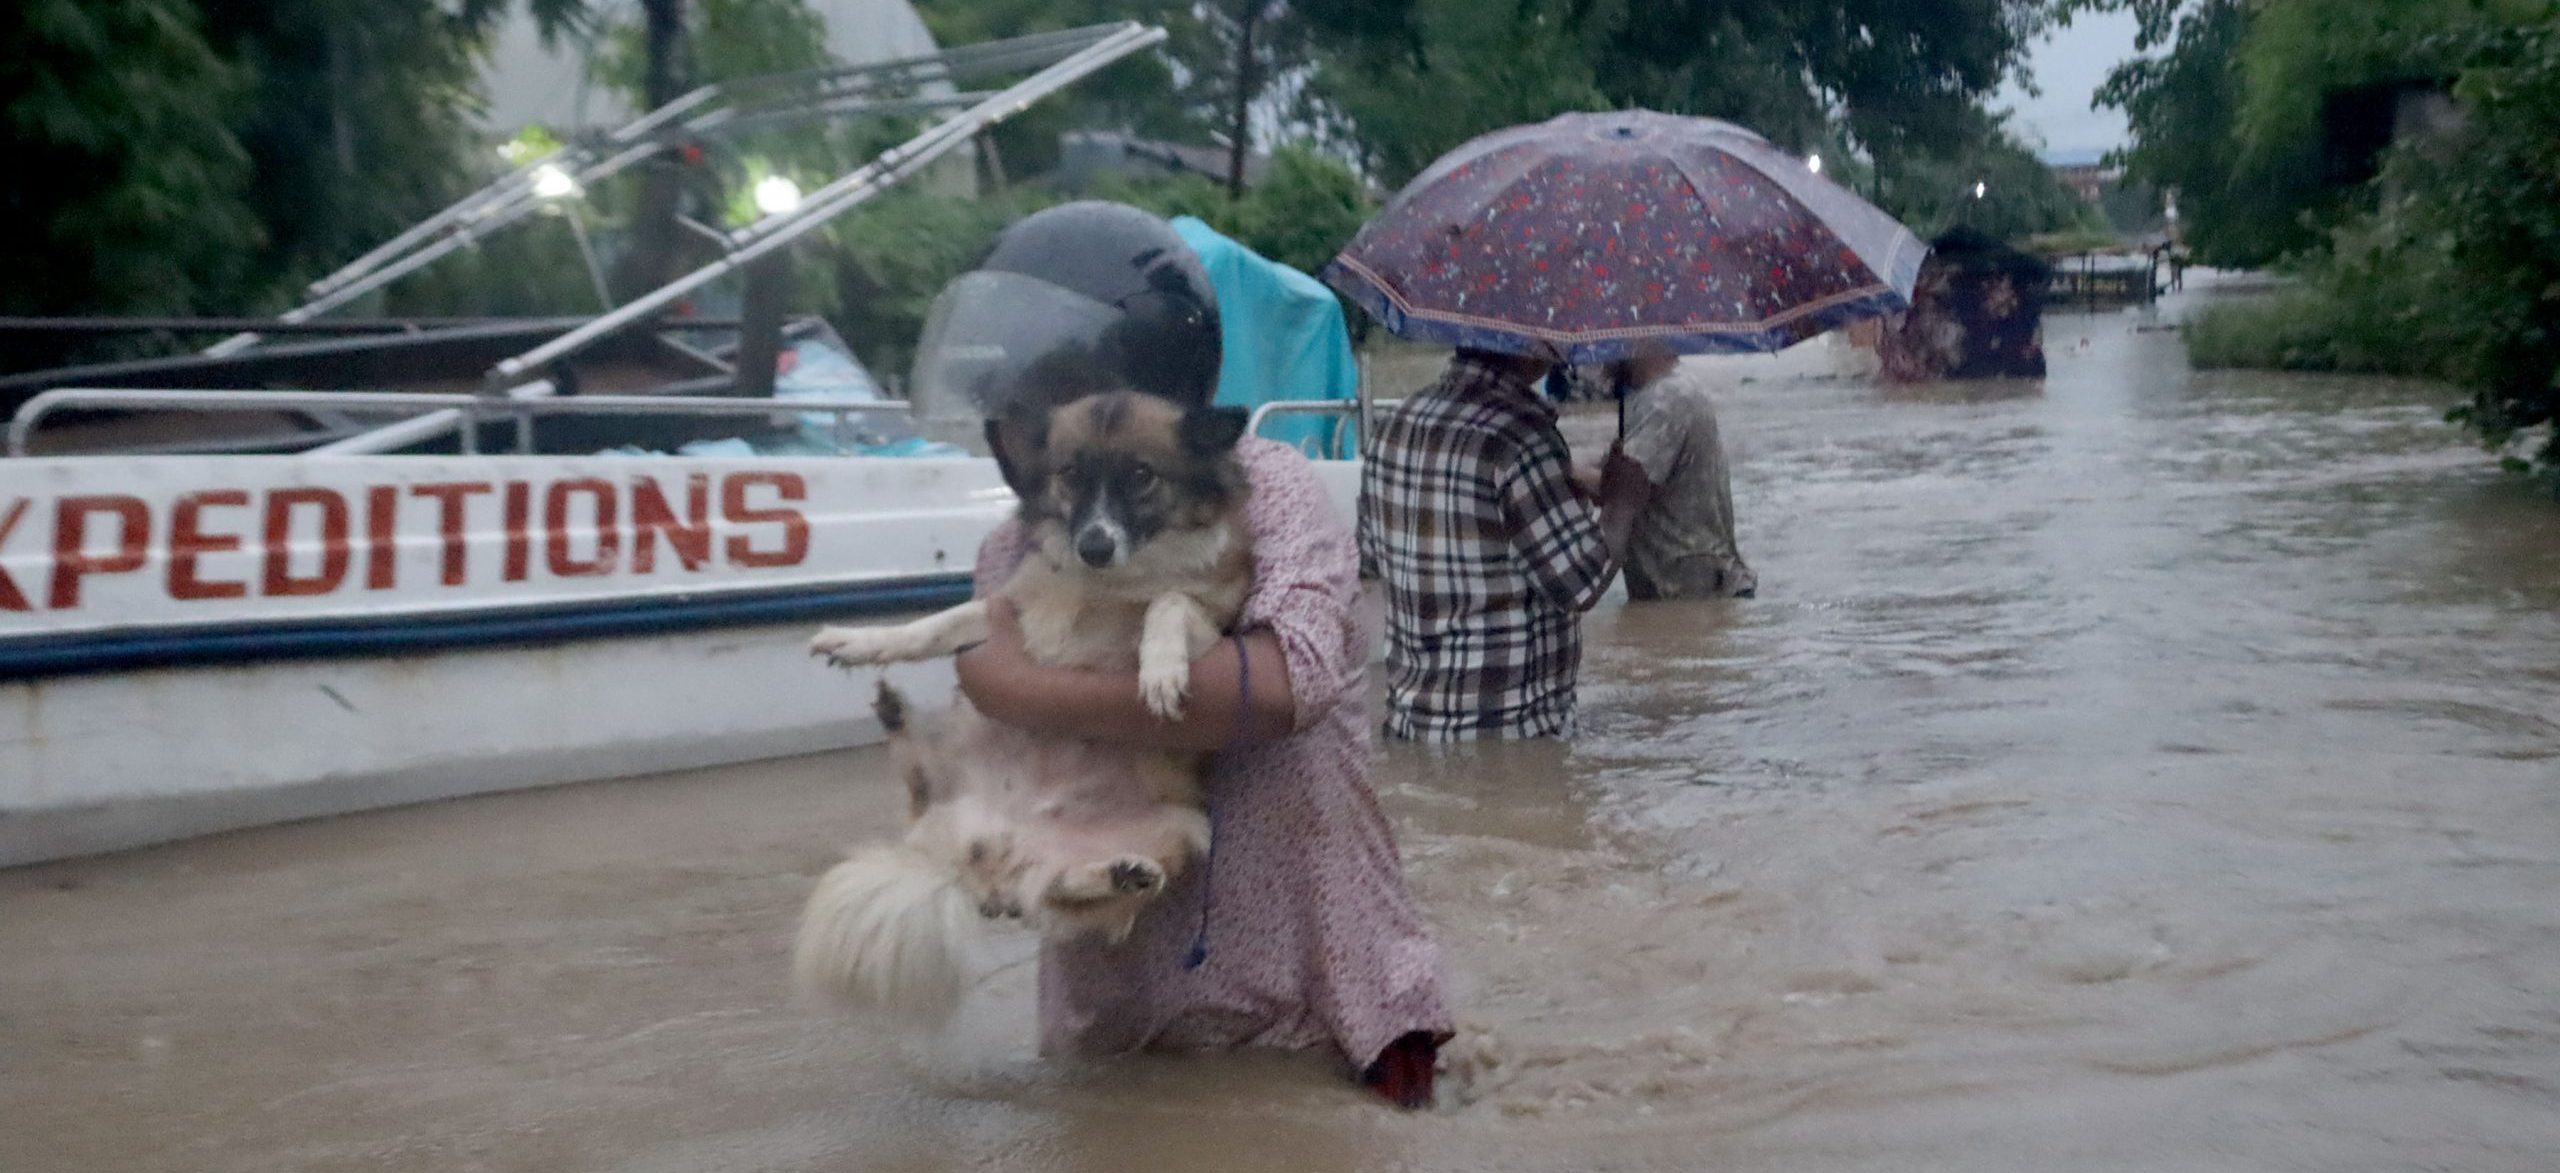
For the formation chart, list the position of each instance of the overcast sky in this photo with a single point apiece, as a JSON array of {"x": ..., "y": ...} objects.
[{"x": 2068, "y": 67}]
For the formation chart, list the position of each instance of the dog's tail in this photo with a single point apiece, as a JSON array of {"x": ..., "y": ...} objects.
[
  {"x": 890, "y": 706},
  {"x": 889, "y": 929}
]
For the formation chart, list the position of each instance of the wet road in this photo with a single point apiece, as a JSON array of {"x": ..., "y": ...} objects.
[{"x": 2154, "y": 771}]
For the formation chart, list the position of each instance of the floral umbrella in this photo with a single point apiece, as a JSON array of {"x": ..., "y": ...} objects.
[{"x": 1595, "y": 237}]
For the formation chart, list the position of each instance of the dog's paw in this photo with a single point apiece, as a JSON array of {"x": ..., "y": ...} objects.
[
  {"x": 1131, "y": 875},
  {"x": 1166, "y": 688},
  {"x": 847, "y": 647},
  {"x": 999, "y": 906}
]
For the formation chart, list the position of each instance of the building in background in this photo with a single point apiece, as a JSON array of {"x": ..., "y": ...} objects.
[{"x": 2085, "y": 172}]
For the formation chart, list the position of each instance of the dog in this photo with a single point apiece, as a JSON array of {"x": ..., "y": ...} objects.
[{"x": 1141, "y": 559}]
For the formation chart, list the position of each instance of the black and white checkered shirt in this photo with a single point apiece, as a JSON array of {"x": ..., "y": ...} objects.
[{"x": 1469, "y": 515}]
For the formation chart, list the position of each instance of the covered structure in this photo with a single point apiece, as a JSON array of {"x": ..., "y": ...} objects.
[
  {"x": 1977, "y": 312},
  {"x": 1283, "y": 336}
]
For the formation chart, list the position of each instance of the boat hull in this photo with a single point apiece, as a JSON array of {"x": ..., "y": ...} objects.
[{"x": 213, "y": 643}]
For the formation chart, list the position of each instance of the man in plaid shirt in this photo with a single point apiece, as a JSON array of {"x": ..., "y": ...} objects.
[{"x": 1490, "y": 551}]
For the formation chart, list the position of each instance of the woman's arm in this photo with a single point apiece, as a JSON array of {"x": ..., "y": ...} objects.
[{"x": 1002, "y": 680}]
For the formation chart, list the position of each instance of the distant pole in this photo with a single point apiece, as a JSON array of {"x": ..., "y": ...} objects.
[
  {"x": 768, "y": 295},
  {"x": 587, "y": 250},
  {"x": 994, "y": 160},
  {"x": 1240, "y": 127},
  {"x": 651, "y": 258}
]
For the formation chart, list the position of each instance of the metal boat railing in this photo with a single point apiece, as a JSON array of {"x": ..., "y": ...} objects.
[
  {"x": 1345, "y": 440},
  {"x": 474, "y": 410}
]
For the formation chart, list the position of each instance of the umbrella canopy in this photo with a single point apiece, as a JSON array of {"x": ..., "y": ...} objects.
[{"x": 1594, "y": 237}]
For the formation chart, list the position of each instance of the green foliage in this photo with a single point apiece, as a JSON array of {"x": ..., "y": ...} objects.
[
  {"x": 292, "y": 137},
  {"x": 2021, "y": 197},
  {"x": 2487, "y": 210},
  {"x": 1897, "y": 78},
  {"x": 2231, "y": 117},
  {"x": 533, "y": 269},
  {"x": 1484, "y": 66},
  {"x": 1303, "y": 212},
  {"x": 2238, "y": 208},
  {"x": 128, "y": 186},
  {"x": 899, "y": 251},
  {"x": 1138, "y": 93},
  {"x": 2456, "y": 275},
  {"x": 358, "y": 124},
  {"x": 2310, "y": 328},
  {"x": 171, "y": 156}
]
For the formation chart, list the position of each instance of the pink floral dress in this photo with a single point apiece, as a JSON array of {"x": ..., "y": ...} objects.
[{"x": 1312, "y": 939}]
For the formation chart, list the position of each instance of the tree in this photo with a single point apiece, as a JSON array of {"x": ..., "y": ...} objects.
[
  {"x": 357, "y": 121},
  {"x": 1402, "y": 94},
  {"x": 1236, "y": 51},
  {"x": 1138, "y": 94},
  {"x": 2235, "y": 117},
  {"x": 1304, "y": 211},
  {"x": 1895, "y": 78},
  {"x": 1989, "y": 182},
  {"x": 2447, "y": 266},
  {"x": 130, "y": 191},
  {"x": 2477, "y": 214},
  {"x": 2239, "y": 205},
  {"x": 657, "y": 236}
]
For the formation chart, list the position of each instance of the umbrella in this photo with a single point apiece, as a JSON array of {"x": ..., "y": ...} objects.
[{"x": 1594, "y": 237}]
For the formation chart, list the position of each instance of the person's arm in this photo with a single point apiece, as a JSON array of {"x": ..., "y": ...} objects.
[
  {"x": 1572, "y": 550},
  {"x": 1005, "y": 683},
  {"x": 1646, "y": 455},
  {"x": 1624, "y": 491}
]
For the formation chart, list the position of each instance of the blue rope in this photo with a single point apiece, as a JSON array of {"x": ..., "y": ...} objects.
[{"x": 1199, "y": 954}]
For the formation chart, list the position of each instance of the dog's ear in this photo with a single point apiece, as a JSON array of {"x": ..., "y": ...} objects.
[
  {"x": 1213, "y": 431},
  {"x": 1019, "y": 440}
]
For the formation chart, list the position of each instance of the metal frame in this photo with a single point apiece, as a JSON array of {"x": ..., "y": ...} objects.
[
  {"x": 1070, "y": 57},
  {"x": 736, "y": 105},
  {"x": 1359, "y": 410},
  {"x": 843, "y": 195},
  {"x": 475, "y": 409},
  {"x": 338, "y": 326}
]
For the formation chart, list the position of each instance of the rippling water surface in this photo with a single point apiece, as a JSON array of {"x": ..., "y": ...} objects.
[{"x": 2150, "y": 770}]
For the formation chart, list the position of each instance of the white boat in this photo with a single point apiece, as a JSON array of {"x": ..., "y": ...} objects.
[{"x": 191, "y": 644}]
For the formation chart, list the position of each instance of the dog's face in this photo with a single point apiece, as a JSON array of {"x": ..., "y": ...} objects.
[{"x": 1106, "y": 477}]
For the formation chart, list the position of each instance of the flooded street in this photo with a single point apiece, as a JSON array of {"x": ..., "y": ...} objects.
[{"x": 2150, "y": 770}]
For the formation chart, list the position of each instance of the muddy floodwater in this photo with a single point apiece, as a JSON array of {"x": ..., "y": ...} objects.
[{"x": 2150, "y": 771}]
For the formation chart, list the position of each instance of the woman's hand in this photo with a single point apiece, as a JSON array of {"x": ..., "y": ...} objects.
[
  {"x": 1002, "y": 681},
  {"x": 991, "y": 672},
  {"x": 1623, "y": 482}
]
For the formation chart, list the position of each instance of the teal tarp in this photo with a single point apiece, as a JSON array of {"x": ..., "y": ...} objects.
[{"x": 1283, "y": 335}]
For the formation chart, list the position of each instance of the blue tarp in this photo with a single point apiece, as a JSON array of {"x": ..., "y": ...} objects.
[{"x": 1283, "y": 335}]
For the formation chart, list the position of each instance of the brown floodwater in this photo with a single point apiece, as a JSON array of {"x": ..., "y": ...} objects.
[{"x": 2151, "y": 770}]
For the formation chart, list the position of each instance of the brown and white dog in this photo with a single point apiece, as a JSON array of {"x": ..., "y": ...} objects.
[{"x": 1141, "y": 559}]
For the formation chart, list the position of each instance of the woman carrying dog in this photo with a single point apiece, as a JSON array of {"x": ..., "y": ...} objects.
[{"x": 1298, "y": 931}]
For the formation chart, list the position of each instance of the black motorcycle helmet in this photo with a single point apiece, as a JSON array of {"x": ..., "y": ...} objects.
[{"x": 1082, "y": 297}]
